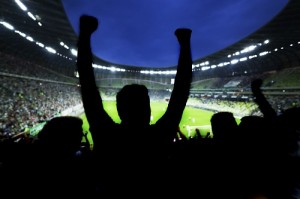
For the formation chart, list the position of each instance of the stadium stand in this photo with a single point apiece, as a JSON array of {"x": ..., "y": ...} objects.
[
  {"x": 270, "y": 53},
  {"x": 38, "y": 81}
]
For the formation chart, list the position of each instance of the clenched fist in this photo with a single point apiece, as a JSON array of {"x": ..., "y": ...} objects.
[{"x": 88, "y": 24}]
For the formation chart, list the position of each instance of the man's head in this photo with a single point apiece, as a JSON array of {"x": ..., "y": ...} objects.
[
  {"x": 62, "y": 133},
  {"x": 133, "y": 104}
]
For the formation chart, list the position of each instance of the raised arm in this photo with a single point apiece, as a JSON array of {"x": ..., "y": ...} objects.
[
  {"x": 181, "y": 88},
  {"x": 92, "y": 101},
  {"x": 260, "y": 99}
]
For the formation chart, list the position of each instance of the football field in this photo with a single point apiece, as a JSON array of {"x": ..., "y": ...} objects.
[{"x": 192, "y": 118}]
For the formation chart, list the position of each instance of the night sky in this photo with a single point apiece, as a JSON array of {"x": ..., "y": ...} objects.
[{"x": 141, "y": 32}]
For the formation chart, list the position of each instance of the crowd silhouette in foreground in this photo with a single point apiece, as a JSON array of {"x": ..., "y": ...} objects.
[{"x": 257, "y": 158}]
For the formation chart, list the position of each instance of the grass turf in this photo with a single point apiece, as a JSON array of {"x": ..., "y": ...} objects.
[{"x": 192, "y": 118}]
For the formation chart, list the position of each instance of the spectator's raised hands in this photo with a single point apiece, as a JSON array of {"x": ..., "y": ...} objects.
[
  {"x": 183, "y": 35},
  {"x": 256, "y": 85},
  {"x": 88, "y": 24}
]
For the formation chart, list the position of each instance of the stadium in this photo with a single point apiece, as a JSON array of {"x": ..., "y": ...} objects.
[
  {"x": 38, "y": 48},
  {"x": 39, "y": 78}
]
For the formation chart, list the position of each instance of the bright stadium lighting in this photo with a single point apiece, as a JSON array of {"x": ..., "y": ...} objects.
[
  {"x": 40, "y": 24},
  {"x": 244, "y": 59},
  {"x": 266, "y": 41},
  {"x": 113, "y": 69},
  {"x": 275, "y": 49},
  {"x": 62, "y": 43},
  {"x": 51, "y": 50},
  {"x": 21, "y": 5},
  {"x": 252, "y": 56},
  {"x": 7, "y": 25},
  {"x": 20, "y": 33},
  {"x": 263, "y": 53},
  {"x": 40, "y": 44},
  {"x": 248, "y": 49},
  {"x": 31, "y": 16},
  {"x": 204, "y": 63},
  {"x": 168, "y": 72},
  {"x": 213, "y": 66},
  {"x": 29, "y": 38},
  {"x": 205, "y": 68},
  {"x": 234, "y": 61},
  {"x": 74, "y": 52}
]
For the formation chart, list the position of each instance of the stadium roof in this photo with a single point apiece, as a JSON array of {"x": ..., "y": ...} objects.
[
  {"x": 49, "y": 25},
  {"x": 282, "y": 45}
]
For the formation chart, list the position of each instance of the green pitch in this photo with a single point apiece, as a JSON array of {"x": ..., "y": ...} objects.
[{"x": 192, "y": 118}]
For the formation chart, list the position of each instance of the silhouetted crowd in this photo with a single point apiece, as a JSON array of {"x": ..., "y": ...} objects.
[{"x": 257, "y": 158}]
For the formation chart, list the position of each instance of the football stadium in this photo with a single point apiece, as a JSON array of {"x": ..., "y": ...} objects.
[{"x": 39, "y": 77}]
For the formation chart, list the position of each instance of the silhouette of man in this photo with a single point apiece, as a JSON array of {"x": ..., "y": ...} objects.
[{"x": 133, "y": 152}]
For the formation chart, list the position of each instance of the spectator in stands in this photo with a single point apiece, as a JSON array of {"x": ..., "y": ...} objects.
[
  {"x": 60, "y": 166},
  {"x": 223, "y": 126},
  {"x": 277, "y": 145},
  {"x": 61, "y": 136},
  {"x": 260, "y": 99},
  {"x": 288, "y": 125},
  {"x": 133, "y": 152}
]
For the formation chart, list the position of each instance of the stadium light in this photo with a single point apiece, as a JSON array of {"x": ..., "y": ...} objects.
[
  {"x": 234, "y": 61},
  {"x": 40, "y": 44},
  {"x": 243, "y": 59},
  {"x": 252, "y": 56},
  {"x": 51, "y": 50},
  {"x": 7, "y": 25},
  {"x": 29, "y": 38},
  {"x": 20, "y": 33},
  {"x": 74, "y": 52},
  {"x": 21, "y": 5},
  {"x": 263, "y": 53},
  {"x": 31, "y": 16},
  {"x": 248, "y": 49}
]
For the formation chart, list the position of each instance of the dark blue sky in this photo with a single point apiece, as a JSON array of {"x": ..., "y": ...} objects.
[{"x": 141, "y": 32}]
